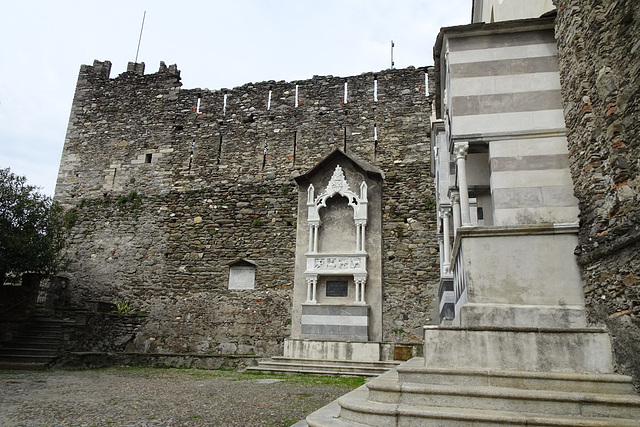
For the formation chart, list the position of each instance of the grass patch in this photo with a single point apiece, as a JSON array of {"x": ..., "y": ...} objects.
[{"x": 348, "y": 381}]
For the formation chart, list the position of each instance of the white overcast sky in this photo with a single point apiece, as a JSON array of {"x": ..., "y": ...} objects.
[{"x": 216, "y": 44}]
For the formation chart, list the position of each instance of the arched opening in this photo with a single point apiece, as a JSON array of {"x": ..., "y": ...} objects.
[{"x": 337, "y": 232}]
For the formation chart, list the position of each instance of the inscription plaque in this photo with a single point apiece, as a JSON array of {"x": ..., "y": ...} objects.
[{"x": 337, "y": 288}]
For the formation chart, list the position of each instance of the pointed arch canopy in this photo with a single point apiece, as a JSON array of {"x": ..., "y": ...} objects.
[{"x": 338, "y": 185}]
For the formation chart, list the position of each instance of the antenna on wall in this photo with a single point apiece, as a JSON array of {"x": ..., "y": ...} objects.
[
  {"x": 392, "y": 53},
  {"x": 140, "y": 38}
]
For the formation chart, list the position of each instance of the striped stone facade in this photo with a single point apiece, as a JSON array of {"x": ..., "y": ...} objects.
[
  {"x": 501, "y": 159},
  {"x": 335, "y": 322},
  {"x": 503, "y": 97}
]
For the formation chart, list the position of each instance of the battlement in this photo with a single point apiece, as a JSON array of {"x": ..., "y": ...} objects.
[
  {"x": 101, "y": 69},
  {"x": 138, "y": 68},
  {"x": 372, "y": 86},
  {"x": 135, "y": 67},
  {"x": 188, "y": 136}
]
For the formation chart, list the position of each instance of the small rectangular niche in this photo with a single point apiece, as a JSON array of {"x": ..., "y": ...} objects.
[
  {"x": 242, "y": 274},
  {"x": 337, "y": 288},
  {"x": 148, "y": 157}
]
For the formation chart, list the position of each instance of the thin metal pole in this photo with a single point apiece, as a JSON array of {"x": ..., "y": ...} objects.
[
  {"x": 392, "y": 53},
  {"x": 140, "y": 38}
]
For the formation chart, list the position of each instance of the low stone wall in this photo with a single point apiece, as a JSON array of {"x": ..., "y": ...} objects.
[
  {"x": 101, "y": 332},
  {"x": 200, "y": 361}
]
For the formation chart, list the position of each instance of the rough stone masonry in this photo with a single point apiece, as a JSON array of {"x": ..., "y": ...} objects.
[
  {"x": 598, "y": 50},
  {"x": 168, "y": 187}
]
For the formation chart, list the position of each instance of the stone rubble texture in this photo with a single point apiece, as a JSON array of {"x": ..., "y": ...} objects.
[
  {"x": 166, "y": 195},
  {"x": 598, "y": 48}
]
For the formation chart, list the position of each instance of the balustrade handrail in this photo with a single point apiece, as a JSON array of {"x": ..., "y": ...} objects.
[
  {"x": 11, "y": 307},
  {"x": 459, "y": 276}
]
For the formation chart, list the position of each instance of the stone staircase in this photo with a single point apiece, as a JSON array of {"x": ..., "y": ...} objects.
[
  {"x": 414, "y": 395},
  {"x": 290, "y": 365},
  {"x": 36, "y": 346}
]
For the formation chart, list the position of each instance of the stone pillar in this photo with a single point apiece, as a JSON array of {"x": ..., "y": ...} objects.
[
  {"x": 446, "y": 265},
  {"x": 311, "y": 237},
  {"x": 461, "y": 149},
  {"x": 360, "y": 281},
  {"x": 360, "y": 235},
  {"x": 312, "y": 283}
]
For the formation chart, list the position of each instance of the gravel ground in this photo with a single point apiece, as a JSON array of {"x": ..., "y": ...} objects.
[{"x": 162, "y": 397}]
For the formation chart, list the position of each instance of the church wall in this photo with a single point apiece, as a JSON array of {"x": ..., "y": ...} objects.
[
  {"x": 503, "y": 92},
  {"x": 599, "y": 67},
  {"x": 167, "y": 191},
  {"x": 499, "y": 10}
]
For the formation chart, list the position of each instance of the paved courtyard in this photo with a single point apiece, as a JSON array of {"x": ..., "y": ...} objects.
[{"x": 131, "y": 396}]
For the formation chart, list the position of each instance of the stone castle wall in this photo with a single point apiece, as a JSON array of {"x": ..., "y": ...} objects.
[
  {"x": 598, "y": 51},
  {"x": 168, "y": 186}
]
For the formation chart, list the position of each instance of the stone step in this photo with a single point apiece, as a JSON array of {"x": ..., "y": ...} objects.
[
  {"x": 388, "y": 364},
  {"x": 34, "y": 332},
  {"x": 36, "y": 346},
  {"x": 34, "y": 340},
  {"x": 313, "y": 366},
  {"x": 30, "y": 340},
  {"x": 44, "y": 327},
  {"x": 22, "y": 366},
  {"x": 321, "y": 366},
  {"x": 25, "y": 358},
  {"x": 387, "y": 390},
  {"x": 31, "y": 350},
  {"x": 50, "y": 323},
  {"x": 38, "y": 335},
  {"x": 356, "y": 410},
  {"x": 414, "y": 371},
  {"x": 298, "y": 370}
]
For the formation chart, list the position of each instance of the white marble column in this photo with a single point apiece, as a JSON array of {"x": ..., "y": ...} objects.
[
  {"x": 312, "y": 283},
  {"x": 446, "y": 265},
  {"x": 360, "y": 281},
  {"x": 460, "y": 150},
  {"x": 360, "y": 235},
  {"x": 311, "y": 238}
]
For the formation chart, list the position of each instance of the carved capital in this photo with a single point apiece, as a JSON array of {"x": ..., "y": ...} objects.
[
  {"x": 461, "y": 149},
  {"x": 455, "y": 197},
  {"x": 360, "y": 280}
]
